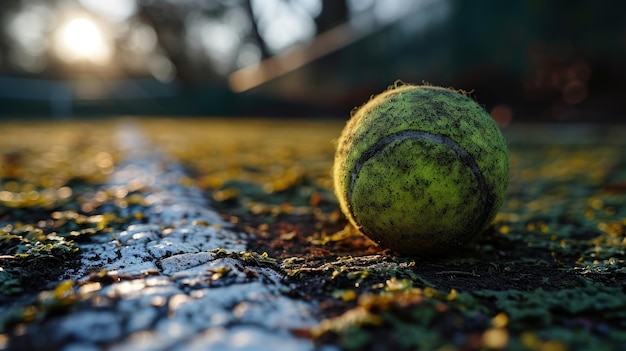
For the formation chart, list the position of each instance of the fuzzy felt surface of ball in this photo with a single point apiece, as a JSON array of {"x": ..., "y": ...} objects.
[{"x": 421, "y": 170}]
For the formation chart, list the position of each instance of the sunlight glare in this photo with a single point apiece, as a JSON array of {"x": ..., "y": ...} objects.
[{"x": 81, "y": 39}]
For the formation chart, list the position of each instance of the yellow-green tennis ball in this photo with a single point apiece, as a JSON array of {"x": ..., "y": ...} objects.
[{"x": 421, "y": 169}]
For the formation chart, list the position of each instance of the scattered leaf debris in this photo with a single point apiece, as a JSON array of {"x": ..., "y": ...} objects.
[{"x": 548, "y": 275}]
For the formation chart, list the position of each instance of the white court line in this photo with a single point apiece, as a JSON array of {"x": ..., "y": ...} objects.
[{"x": 174, "y": 302}]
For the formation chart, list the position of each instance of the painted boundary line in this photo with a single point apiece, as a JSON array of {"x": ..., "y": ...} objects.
[{"x": 172, "y": 288}]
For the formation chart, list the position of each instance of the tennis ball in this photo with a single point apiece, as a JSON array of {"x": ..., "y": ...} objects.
[{"x": 421, "y": 169}]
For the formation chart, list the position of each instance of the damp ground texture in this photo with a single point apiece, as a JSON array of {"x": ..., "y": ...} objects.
[{"x": 549, "y": 274}]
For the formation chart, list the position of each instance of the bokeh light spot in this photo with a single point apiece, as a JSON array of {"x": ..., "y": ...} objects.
[
  {"x": 502, "y": 114},
  {"x": 81, "y": 39},
  {"x": 574, "y": 92}
]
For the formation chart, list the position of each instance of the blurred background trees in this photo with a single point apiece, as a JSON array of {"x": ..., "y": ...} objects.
[{"x": 525, "y": 60}]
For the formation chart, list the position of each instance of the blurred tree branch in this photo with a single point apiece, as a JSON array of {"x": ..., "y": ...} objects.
[{"x": 333, "y": 13}]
